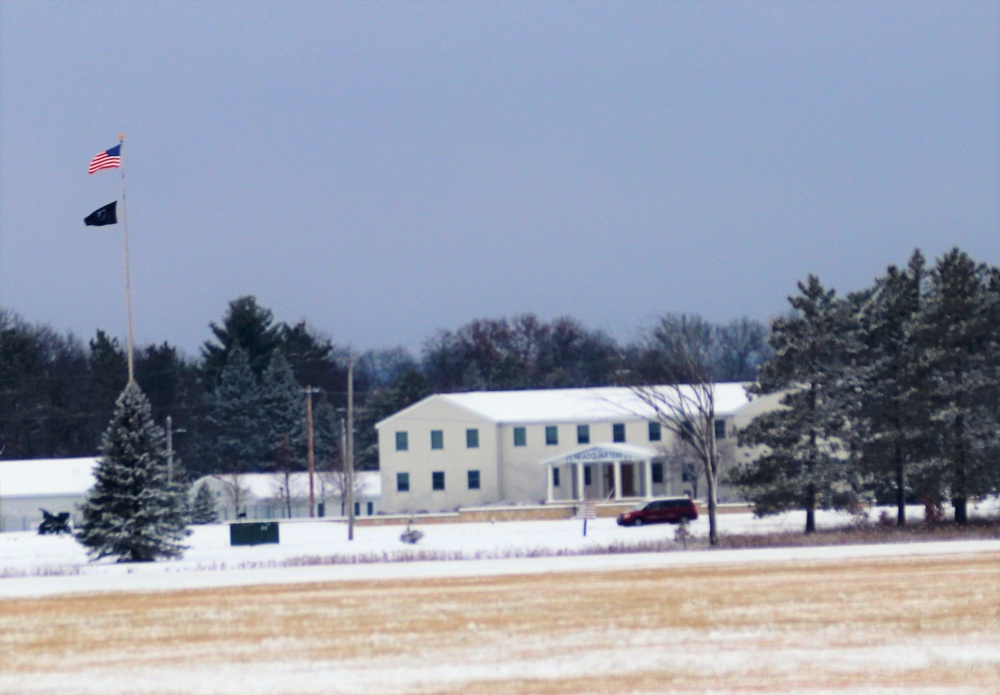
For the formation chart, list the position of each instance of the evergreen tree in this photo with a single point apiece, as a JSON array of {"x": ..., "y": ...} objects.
[
  {"x": 203, "y": 509},
  {"x": 957, "y": 334},
  {"x": 890, "y": 415},
  {"x": 247, "y": 326},
  {"x": 237, "y": 441},
  {"x": 133, "y": 512},
  {"x": 804, "y": 465}
]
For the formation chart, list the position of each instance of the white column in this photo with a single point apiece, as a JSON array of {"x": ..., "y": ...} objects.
[
  {"x": 649, "y": 477},
  {"x": 549, "y": 472},
  {"x": 579, "y": 480},
  {"x": 618, "y": 479}
]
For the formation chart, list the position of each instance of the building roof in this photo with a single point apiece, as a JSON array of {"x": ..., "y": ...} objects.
[
  {"x": 268, "y": 485},
  {"x": 46, "y": 477},
  {"x": 570, "y": 405}
]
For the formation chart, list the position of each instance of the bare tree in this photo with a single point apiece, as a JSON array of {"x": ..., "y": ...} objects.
[
  {"x": 685, "y": 349},
  {"x": 335, "y": 480},
  {"x": 237, "y": 492}
]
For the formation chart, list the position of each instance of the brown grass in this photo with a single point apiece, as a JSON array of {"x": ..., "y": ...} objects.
[{"x": 917, "y": 623}]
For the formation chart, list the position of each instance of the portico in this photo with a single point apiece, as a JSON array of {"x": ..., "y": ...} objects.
[{"x": 623, "y": 471}]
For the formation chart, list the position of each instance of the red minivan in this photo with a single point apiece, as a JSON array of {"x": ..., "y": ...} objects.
[{"x": 674, "y": 510}]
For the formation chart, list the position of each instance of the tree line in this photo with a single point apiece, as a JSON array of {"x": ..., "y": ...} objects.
[
  {"x": 239, "y": 406},
  {"x": 890, "y": 394}
]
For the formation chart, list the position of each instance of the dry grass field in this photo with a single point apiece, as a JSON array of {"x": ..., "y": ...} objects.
[{"x": 901, "y": 625}]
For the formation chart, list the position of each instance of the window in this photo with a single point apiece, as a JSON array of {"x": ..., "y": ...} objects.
[
  {"x": 657, "y": 472},
  {"x": 473, "y": 480},
  {"x": 437, "y": 439},
  {"x": 654, "y": 432},
  {"x": 720, "y": 429},
  {"x": 370, "y": 508},
  {"x": 583, "y": 434},
  {"x": 437, "y": 480},
  {"x": 402, "y": 482},
  {"x": 586, "y": 475},
  {"x": 402, "y": 441},
  {"x": 472, "y": 439},
  {"x": 551, "y": 435},
  {"x": 618, "y": 432},
  {"x": 688, "y": 474},
  {"x": 520, "y": 436},
  {"x": 357, "y": 509},
  {"x": 555, "y": 477}
]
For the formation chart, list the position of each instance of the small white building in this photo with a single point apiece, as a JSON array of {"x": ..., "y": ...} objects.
[
  {"x": 55, "y": 485},
  {"x": 273, "y": 496},
  {"x": 457, "y": 450}
]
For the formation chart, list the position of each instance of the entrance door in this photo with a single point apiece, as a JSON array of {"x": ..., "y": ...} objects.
[{"x": 628, "y": 480}]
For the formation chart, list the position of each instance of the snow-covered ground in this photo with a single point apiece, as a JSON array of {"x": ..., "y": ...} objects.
[
  {"x": 785, "y": 635},
  {"x": 33, "y": 565}
]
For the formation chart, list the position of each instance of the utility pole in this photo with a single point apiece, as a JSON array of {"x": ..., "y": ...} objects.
[
  {"x": 350, "y": 449},
  {"x": 309, "y": 391}
]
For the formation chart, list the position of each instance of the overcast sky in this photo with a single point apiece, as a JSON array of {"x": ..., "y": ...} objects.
[{"x": 386, "y": 170}]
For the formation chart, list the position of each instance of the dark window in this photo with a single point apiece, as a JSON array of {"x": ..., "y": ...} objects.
[
  {"x": 402, "y": 482},
  {"x": 371, "y": 508},
  {"x": 402, "y": 441},
  {"x": 437, "y": 480},
  {"x": 586, "y": 475},
  {"x": 720, "y": 429},
  {"x": 437, "y": 439},
  {"x": 688, "y": 472},
  {"x": 654, "y": 432},
  {"x": 473, "y": 480},
  {"x": 551, "y": 435},
  {"x": 357, "y": 509},
  {"x": 555, "y": 477},
  {"x": 618, "y": 432},
  {"x": 472, "y": 438},
  {"x": 520, "y": 436},
  {"x": 583, "y": 434},
  {"x": 657, "y": 472}
]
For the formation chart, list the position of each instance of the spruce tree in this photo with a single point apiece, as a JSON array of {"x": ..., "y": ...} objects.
[
  {"x": 203, "y": 509},
  {"x": 133, "y": 512}
]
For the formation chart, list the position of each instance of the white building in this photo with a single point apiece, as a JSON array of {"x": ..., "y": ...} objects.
[
  {"x": 264, "y": 495},
  {"x": 55, "y": 485},
  {"x": 557, "y": 445}
]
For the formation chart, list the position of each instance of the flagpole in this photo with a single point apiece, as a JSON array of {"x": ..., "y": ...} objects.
[{"x": 128, "y": 274}]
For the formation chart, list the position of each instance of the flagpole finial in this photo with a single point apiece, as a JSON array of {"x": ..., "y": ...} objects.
[{"x": 121, "y": 137}]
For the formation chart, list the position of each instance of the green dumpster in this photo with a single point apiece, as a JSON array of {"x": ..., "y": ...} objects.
[{"x": 254, "y": 533}]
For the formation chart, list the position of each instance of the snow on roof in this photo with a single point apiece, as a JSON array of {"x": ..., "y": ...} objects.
[
  {"x": 46, "y": 477},
  {"x": 571, "y": 405},
  {"x": 269, "y": 485}
]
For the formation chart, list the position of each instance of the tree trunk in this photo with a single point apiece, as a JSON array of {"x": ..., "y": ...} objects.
[
  {"x": 811, "y": 509},
  {"x": 713, "y": 527},
  {"x": 900, "y": 488}
]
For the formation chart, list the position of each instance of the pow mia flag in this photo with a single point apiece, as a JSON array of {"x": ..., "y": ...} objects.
[{"x": 102, "y": 216}]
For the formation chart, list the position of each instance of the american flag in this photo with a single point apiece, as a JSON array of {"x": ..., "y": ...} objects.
[{"x": 109, "y": 159}]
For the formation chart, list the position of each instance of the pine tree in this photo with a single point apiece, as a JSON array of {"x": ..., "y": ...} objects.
[
  {"x": 957, "y": 333},
  {"x": 203, "y": 510},
  {"x": 804, "y": 465},
  {"x": 133, "y": 512},
  {"x": 889, "y": 416}
]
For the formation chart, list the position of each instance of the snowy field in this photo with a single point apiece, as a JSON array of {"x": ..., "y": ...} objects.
[{"x": 320, "y": 614}]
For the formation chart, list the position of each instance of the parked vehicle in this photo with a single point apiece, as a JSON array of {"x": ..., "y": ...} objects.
[{"x": 673, "y": 511}]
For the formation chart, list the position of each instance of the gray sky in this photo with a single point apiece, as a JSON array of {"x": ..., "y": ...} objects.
[{"x": 385, "y": 170}]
